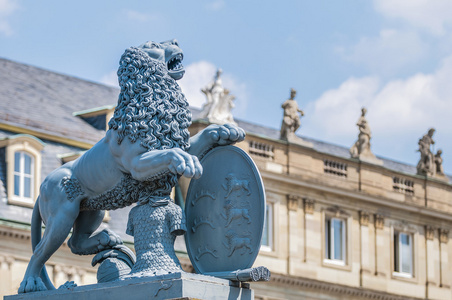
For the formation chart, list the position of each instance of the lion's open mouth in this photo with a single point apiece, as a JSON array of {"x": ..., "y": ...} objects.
[
  {"x": 175, "y": 63},
  {"x": 175, "y": 67}
]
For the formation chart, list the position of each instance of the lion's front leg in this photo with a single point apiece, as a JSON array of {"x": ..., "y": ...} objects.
[
  {"x": 155, "y": 163},
  {"x": 147, "y": 165}
]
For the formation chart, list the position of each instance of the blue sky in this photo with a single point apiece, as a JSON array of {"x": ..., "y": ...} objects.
[{"x": 392, "y": 56}]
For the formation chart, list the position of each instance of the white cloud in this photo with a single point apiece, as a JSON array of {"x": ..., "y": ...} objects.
[
  {"x": 197, "y": 76},
  {"x": 432, "y": 15},
  {"x": 216, "y": 5},
  {"x": 387, "y": 52},
  {"x": 240, "y": 91},
  {"x": 399, "y": 112},
  {"x": 7, "y": 8},
  {"x": 337, "y": 110},
  {"x": 143, "y": 17},
  {"x": 110, "y": 79}
]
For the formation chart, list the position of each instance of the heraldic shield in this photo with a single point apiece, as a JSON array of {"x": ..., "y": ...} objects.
[{"x": 225, "y": 211}]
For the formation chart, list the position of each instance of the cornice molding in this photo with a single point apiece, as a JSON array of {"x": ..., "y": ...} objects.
[
  {"x": 379, "y": 201},
  {"x": 327, "y": 287},
  {"x": 10, "y": 233},
  {"x": 46, "y": 136}
]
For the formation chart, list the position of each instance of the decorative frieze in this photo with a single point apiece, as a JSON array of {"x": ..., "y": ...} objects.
[
  {"x": 443, "y": 235},
  {"x": 292, "y": 202},
  {"x": 379, "y": 221},
  {"x": 309, "y": 205},
  {"x": 364, "y": 218},
  {"x": 429, "y": 232}
]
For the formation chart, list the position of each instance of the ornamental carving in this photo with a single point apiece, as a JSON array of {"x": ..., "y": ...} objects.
[
  {"x": 443, "y": 235},
  {"x": 364, "y": 218},
  {"x": 292, "y": 202},
  {"x": 429, "y": 232},
  {"x": 309, "y": 205},
  {"x": 379, "y": 221}
]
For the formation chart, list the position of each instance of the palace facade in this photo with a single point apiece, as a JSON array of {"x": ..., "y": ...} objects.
[{"x": 336, "y": 227}]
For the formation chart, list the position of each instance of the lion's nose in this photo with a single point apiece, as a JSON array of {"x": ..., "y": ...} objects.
[{"x": 172, "y": 42}]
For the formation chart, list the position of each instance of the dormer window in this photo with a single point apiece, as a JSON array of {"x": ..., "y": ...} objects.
[
  {"x": 97, "y": 117},
  {"x": 23, "y": 167}
]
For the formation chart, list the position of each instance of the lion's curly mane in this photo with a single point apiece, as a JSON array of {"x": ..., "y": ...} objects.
[
  {"x": 152, "y": 110},
  {"x": 151, "y": 106}
]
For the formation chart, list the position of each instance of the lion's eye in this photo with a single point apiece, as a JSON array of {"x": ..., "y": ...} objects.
[{"x": 152, "y": 45}]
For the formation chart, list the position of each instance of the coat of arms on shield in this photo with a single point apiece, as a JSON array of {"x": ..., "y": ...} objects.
[{"x": 225, "y": 211}]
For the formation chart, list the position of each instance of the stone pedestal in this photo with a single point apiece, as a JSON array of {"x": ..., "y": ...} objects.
[{"x": 170, "y": 286}]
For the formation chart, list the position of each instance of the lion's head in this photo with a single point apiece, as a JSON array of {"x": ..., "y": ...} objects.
[
  {"x": 151, "y": 107},
  {"x": 167, "y": 52}
]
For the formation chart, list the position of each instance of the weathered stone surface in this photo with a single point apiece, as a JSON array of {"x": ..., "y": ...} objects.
[{"x": 170, "y": 286}]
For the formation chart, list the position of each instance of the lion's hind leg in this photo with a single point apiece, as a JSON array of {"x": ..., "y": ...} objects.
[
  {"x": 57, "y": 229},
  {"x": 83, "y": 241}
]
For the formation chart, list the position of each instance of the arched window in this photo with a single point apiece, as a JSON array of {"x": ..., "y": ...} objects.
[{"x": 24, "y": 165}]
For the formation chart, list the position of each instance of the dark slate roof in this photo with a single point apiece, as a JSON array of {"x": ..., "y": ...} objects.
[{"x": 41, "y": 100}]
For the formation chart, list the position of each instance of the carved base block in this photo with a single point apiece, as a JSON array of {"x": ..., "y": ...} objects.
[
  {"x": 293, "y": 139},
  {"x": 170, "y": 286},
  {"x": 371, "y": 159},
  {"x": 441, "y": 177}
]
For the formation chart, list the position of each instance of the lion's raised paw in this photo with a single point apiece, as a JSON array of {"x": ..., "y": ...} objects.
[
  {"x": 31, "y": 284},
  {"x": 108, "y": 239}
]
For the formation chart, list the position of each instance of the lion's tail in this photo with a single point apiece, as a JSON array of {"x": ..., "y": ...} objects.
[{"x": 36, "y": 231}]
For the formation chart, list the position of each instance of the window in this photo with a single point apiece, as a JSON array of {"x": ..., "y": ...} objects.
[
  {"x": 335, "y": 242},
  {"x": 403, "y": 254},
  {"x": 23, "y": 168},
  {"x": 261, "y": 150},
  {"x": 23, "y": 175},
  {"x": 403, "y": 186},
  {"x": 267, "y": 234},
  {"x": 335, "y": 168}
]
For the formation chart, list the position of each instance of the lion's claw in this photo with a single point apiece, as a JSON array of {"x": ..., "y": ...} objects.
[
  {"x": 226, "y": 134},
  {"x": 31, "y": 284},
  {"x": 108, "y": 239}
]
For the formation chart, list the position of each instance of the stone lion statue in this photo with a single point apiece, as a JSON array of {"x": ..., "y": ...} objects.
[{"x": 145, "y": 150}]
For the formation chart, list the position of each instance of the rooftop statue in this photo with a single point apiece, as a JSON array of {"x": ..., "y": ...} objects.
[
  {"x": 144, "y": 152},
  {"x": 426, "y": 164},
  {"x": 361, "y": 148},
  {"x": 439, "y": 162},
  {"x": 219, "y": 103},
  {"x": 291, "y": 120}
]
